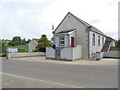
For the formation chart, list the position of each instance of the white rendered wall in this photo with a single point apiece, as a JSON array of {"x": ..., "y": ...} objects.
[
  {"x": 72, "y": 53},
  {"x": 67, "y": 53},
  {"x": 32, "y": 45},
  {"x": 112, "y": 54},
  {"x": 15, "y": 55},
  {"x": 95, "y": 48},
  {"x": 50, "y": 52},
  {"x": 77, "y": 52}
]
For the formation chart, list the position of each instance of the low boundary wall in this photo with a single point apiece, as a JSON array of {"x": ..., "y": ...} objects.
[
  {"x": 26, "y": 54},
  {"x": 112, "y": 54},
  {"x": 50, "y": 53}
]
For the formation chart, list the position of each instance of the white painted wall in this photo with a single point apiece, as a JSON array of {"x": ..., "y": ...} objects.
[
  {"x": 77, "y": 52},
  {"x": 50, "y": 52},
  {"x": 113, "y": 44},
  {"x": 12, "y": 50},
  {"x": 67, "y": 53},
  {"x": 32, "y": 45},
  {"x": 72, "y": 53},
  {"x": 95, "y": 48},
  {"x": 101, "y": 55},
  {"x": 15, "y": 55},
  {"x": 112, "y": 54}
]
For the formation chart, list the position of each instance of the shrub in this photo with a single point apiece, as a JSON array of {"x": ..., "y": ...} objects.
[{"x": 22, "y": 50}]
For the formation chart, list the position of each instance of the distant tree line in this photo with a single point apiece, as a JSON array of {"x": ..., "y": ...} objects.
[
  {"x": 14, "y": 42},
  {"x": 18, "y": 41}
]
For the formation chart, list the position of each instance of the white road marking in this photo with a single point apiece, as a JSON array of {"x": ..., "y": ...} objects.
[{"x": 23, "y": 77}]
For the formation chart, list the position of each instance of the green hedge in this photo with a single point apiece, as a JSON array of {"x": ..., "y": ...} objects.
[
  {"x": 2, "y": 54},
  {"x": 22, "y": 50}
]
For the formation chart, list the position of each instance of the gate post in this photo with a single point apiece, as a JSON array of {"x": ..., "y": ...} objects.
[{"x": 8, "y": 55}]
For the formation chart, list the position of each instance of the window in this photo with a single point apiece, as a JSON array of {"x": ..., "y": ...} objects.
[
  {"x": 102, "y": 40},
  {"x": 61, "y": 40},
  {"x": 93, "y": 39},
  {"x": 98, "y": 40}
]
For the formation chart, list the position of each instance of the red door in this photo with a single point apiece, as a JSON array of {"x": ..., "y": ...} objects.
[{"x": 72, "y": 41}]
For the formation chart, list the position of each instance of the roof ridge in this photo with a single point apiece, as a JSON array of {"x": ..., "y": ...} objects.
[{"x": 83, "y": 22}]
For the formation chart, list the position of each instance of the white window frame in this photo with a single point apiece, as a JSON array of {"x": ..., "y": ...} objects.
[
  {"x": 93, "y": 39},
  {"x": 61, "y": 40},
  {"x": 99, "y": 40},
  {"x": 102, "y": 40}
]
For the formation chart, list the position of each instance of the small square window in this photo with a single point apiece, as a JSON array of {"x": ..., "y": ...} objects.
[{"x": 61, "y": 40}]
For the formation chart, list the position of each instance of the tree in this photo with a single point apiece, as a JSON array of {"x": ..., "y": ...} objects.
[
  {"x": 23, "y": 41},
  {"x": 117, "y": 43},
  {"x": 16, "y": 41},
  {"x": 28, "y": 40},
  {"x": 43, "y": 42},
  {"x": 4, "y": 48}
]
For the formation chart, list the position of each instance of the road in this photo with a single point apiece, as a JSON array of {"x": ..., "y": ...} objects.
[{"x": 59, "y": 75}]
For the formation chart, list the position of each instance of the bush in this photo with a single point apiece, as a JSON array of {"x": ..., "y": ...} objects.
[
  {"x": 2, "y": 54},
  {"x": 43, "y": 42},
  {"x": 22, "y": 50}
]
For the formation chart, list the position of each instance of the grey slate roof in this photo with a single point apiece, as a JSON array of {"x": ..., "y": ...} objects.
[
  {"x": 109, "y": 39},
  {"x": 35, "y": 39},
  {"x": 114, "y": 49},
  {"x": 88, "y": 25},
  {"x": 66, "y": 31}
]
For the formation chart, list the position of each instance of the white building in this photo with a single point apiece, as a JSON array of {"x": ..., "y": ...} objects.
[
  {"x": 32, "y": 45},
  {"x": 75, "y": 39}
]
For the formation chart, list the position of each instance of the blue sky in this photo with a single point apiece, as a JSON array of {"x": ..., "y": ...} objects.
[{"x": 32, "y": 18}]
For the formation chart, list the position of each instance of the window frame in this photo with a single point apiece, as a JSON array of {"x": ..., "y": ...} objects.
[
  {"x": 102, "y": 40},
  {"x": 99, "y": 40},
  {"x": 61, "y": 40},
  {"x": 93, "y": 39}
]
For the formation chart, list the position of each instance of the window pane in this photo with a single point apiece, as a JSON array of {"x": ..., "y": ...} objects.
[{"x": 61, "y": 41}]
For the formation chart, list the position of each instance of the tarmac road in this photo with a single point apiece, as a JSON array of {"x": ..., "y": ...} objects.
[{"x": 51, "y": 75}]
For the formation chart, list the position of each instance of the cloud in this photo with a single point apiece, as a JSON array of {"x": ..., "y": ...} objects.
[
  {"x": 94, "y": 21},
  {"x": 32, "y": 18}
]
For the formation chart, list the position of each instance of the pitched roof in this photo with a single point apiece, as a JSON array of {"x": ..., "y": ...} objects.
[
  {"x": 35, "y": 39},
  {"x": 114, "y": 49},
  {"x": 66, "y": 31},
  {"x": 109, "y": 39},
  {"x": 85, "y": 23}
]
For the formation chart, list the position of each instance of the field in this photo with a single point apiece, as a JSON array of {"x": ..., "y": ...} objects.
[
  {"x": 19, "y": 47},
  {"x": 2, "y": 54}
]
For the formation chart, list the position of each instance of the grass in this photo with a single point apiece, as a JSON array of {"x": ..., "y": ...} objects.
[
  {"x": 2, "y": 54},
  {"x": 19, "y": 47}
]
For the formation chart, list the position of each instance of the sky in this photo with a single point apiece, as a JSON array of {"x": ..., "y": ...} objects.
[{"x": 32, "y": 18}]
